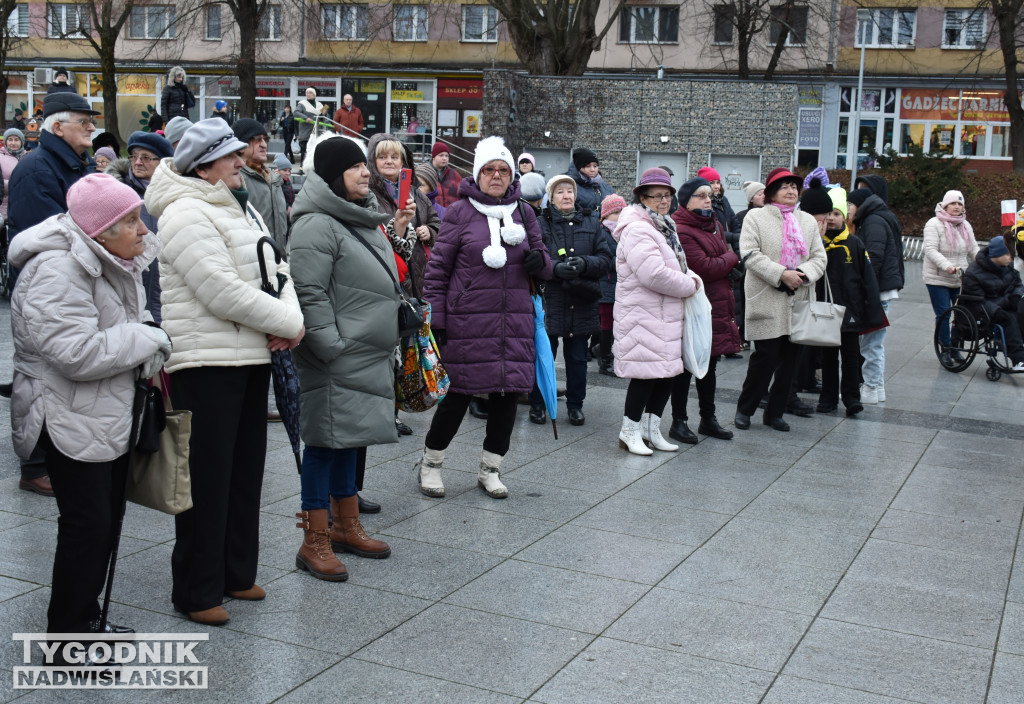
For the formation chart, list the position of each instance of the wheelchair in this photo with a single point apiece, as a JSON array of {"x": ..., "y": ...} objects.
[{"x": 970, "y": 335}]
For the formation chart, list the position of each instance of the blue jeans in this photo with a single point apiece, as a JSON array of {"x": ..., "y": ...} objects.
[
  {"x": 327, "y": 472},
  {"x": 872, "y": 348},
  {"x": 575, "y": 355},
  {"x": 942, "y": 299}
]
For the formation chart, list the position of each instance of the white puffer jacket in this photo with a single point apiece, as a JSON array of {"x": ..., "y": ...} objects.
[
  {"x": 213, "y": 307},
  {"x": 938, "y": 255},
  {"x": 76, "y": 316}
]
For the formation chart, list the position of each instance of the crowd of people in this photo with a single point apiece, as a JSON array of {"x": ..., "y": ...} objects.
[{"x": 147, "y": 268}]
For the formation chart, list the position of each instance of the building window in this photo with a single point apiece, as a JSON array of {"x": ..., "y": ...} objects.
[
  {"x": 796, "y": 23},
  {"x": 479, "y": 23},
  {"x": 17, "y": 21},
  {"x": 151, "y": 22},
  {"x": 649, "y": 25},
  {"x": 885, "y": 28},
  {"x": 725, "y": 16},
  {"x": 270, "y": 25},
  {"x": 67, "y": 19},
  {"x": 347, "y": 22},
  {"x": 964, "y": 29},
  {"x": 410, "y": 23},
  {"x": 213, "y": 22}
]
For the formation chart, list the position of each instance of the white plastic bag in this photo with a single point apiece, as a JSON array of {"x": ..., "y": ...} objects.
[{"x": 697, "y": 333}]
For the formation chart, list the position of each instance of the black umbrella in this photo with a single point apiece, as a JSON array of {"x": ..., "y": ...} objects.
[{"x": 282, "y": 367}]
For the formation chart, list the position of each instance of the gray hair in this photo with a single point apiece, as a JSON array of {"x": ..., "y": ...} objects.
[{"x": 56, "y": 117}]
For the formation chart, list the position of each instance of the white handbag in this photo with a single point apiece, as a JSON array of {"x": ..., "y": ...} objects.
[{"x": 817, "y": 323}]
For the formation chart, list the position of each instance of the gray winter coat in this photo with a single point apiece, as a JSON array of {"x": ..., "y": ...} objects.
[
  {"x": 350, "y": 306},
  {"x": 77, "y": 319},
  {"x": 269, "y": 201}
]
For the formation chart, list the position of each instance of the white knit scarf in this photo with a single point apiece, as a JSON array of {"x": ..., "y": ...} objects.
[{"x": 503, "y": 229}]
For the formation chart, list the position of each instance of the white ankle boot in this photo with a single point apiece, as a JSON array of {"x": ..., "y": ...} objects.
[
  {"x": 488, "y": 478},
  {"x": 630, "y": 438},
  {"x": 428, "y": 472},
  {"x": 650, "y": 431}
]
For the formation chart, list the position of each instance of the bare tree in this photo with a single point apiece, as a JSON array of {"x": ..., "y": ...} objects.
[
  {"x": 249, "y": 15},
  {"x": 1009, "y": 17},
  {"x": 555, "y": 37}
]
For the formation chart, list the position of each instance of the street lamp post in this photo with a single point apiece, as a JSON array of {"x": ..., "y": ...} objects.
[{"x": 862, "y": 25}]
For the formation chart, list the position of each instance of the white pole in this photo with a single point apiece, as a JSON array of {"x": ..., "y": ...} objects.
[{"x": 856, "y": 114}]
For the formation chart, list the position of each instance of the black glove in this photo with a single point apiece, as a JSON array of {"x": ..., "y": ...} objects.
[
  {"x": 533, "y": 261},
  {"x": 440, "y": 336},
  {"x": 566, "y": 271},
  {"x": 577, "y": 263}
]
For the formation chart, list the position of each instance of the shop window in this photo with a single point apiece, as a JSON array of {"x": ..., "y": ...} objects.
[
  {"x": 213, "y": 30},
  {"x": 911, "y": 135},
  {"x": 479, "y": 23},
  {"x": 885, "y": 28},
  {"x": 66, "y": 20},
  {"x": 964, "y": 29},
  {"x": 941, "y": 139},
  {"x": 999, "y": 144},
  {"x": 867, "y": 136},
  {"x": 649, "y": 25},
  {"x": 793, "y": 17},
  {"x": 410, "y": 23},
  {"x": 270, "y": 24},
  {"x": 346, "y": 22},
  {"x": 972, "y": 140},
  {"x": 725, "y": 17},
  {"x": 17, "y": 21},
  {"x": 151, "y": 22}
]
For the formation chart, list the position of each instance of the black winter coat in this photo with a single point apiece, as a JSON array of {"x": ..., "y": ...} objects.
[
  {"x": 724, "y": 213},
  {"x": 39, "y": 186},
  {"x": 589, "y": 194},
  {"x": 174, "y": 101},
  {"x": 1000, "y": 286},
  {"x": 880, "y": 232},
  {"x": 853, "y": 283},
  {"x": 570, "y": 308},
  {"x": 609, "y": 280}
]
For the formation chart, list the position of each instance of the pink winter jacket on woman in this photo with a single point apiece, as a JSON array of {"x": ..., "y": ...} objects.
[{"x": 649, "y": 310}]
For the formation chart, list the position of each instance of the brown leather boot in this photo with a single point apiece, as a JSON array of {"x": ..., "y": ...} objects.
[
  {"x": 347, "y": 532},
  {"x": 315, "y": 556}
]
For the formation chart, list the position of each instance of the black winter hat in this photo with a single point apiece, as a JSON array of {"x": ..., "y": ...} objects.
[
  {"x": 858, "y": 196},
  {"x": 247, "y": 128},
  {"x": 687, "y": 190},
  {"x": 815, "y": 199},
  {"x": 61, "y": 71},
  {"x": 66, "y": 102},
  {"x": 582, "y": 156},
  {"x": 334, "y": 156}
]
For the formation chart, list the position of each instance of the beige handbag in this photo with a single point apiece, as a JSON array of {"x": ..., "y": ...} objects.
[
  {"x": 161, "y": 480},
  {"x": 817, "y": 323}
]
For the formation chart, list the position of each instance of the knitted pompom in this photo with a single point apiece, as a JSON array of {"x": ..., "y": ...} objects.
[
  {"x": 512, "y": 234},
  {"x": 494, "y": 256}
]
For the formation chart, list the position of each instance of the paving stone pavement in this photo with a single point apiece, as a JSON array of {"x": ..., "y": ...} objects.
[{"x": 873, "y": 560}]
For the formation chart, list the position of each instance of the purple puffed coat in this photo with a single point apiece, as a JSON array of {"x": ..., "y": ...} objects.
[
  {"x": 710, "y": 258},
  {"x": 487, "y": 313}
]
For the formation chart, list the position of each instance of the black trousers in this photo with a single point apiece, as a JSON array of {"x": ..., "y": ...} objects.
[
  {"x": 218, "y": 538},
  {"x": 89, "y": 496},
  {"x": 847, "y": 388},
  {"x": 501, "y": 418},
  {"x": 771, "y": 358},
  {"x": 705, "y": 392},
  {"x": 647, "y": 396},
  {"x": 35, "y": 466}
]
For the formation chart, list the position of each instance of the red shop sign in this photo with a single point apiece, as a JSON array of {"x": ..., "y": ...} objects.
[{"x": 460, "y": 88}]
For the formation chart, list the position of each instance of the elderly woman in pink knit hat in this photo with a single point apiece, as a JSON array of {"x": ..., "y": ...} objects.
[{"x": 81, "y": 338}]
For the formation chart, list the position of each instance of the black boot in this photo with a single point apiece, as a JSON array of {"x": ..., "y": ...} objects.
[
  {"x": 478, "y": 408},
  {"x": 606, "y": 365},
  {"x": 367, "y": 506},
  {"x": 538, "y": 415},
  {"x": 681, "y": 432},
  {"x": 710, "y": 426}
]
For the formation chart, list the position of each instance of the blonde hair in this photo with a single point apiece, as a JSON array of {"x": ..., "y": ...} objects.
[{"x": 391, "y": 146}]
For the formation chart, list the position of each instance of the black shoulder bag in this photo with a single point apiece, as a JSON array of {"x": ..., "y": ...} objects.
[{"x": 411, "y": 313}]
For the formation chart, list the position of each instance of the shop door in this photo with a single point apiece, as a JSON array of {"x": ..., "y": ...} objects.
[
  {"x": 678, "y": 163},
  {"x": 734, "y": 170},
  {"x": 410, "y": 113},
  {"x": 550, "y": 162}
]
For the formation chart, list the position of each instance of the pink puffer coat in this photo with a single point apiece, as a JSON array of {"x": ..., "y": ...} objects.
[{"x": 649, "y": 310}]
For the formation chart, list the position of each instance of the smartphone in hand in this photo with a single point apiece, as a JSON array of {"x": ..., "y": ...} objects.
[{"x": 404, "y": 187}]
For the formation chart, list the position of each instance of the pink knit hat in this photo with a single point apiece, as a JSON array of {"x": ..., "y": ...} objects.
[
  {"x": 611, "y": 205},
  {"x": 97, "y": 201},
  {"x": 708, "y": 173}
]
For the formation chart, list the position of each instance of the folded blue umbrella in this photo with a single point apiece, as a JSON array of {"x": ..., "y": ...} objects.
[{"x": 544, "y": 362}]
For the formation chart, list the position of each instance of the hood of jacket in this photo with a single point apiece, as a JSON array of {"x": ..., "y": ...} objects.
[
  {"x": 878, "y": 186},
  {"x": 872, "y": 206},
  {"x": 469, "y": 189},
  {"x": 121, "y": 169},
  {"x": 175, "y": 70},
  {"x": 629, "y": 215},
  {"x": 167, "y": 186},
  {"x": 983, "y": 260},
  {"x": 376, "y": 180},
  {"x": 274, "y": 176},
  {"x": 317, "y": 197},
  {"x": 61, "y": 233},
  {"x": 580, "y": 178}
]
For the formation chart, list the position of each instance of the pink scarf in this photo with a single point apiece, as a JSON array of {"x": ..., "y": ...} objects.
[
  {"x": 957, "y": 227},
  {"x": 794, "y": 249}
]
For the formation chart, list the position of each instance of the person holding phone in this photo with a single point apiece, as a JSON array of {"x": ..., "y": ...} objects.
[{"x": 784, "y": 254}]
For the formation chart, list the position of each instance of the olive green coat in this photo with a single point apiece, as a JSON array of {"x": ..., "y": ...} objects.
[{"x": 350, "y": 306}]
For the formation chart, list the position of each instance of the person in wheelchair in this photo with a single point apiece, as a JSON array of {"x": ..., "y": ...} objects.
[{"x": 992, "y": 290}]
